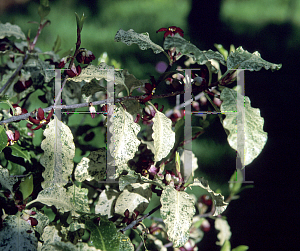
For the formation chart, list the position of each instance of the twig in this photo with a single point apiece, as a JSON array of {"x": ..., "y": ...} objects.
[
  {"x": 66, "y": 107},
  {"x": 132, "y": 224}
]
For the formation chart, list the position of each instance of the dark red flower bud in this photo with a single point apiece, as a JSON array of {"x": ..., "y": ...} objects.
[
  {"x": 85, "y": 56},
  {"x": 33, "y": 221}
]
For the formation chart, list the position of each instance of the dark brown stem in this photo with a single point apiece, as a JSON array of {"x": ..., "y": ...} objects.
[
  {"x": 66, "y": 107},
  {"x": 132, "y": 224}
]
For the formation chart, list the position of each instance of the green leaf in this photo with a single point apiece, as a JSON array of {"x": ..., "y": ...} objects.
[
  {"x": 124, "y": 141},
  {"x": 248, "y": 120},
  {"x": 92, "y": 87},
  {"x": 163, "y": 135},
  {"x": 177, "y": 212},
  {"x": 43, "y": 9},
  {"x": 222, "y": 50},
  {"x": 26, "y": 186},
  {"x": 186, "y": 48},
  {"x": 125, "y": 243},
  {"x": 241, "y": 248},
  {"x": 80, "y": 21},
  {"x": 237, "y": 180},
  {"x": 17, "y": 151},
  {"x": 132, "y": 82},
  {"x": 243, "y": 59},
  {"x": 50, "y": 214},
  {"x": 17, "y": 234},
  {"x": 141, "y": 39},
  {"x": 217, "y": 198},
  {"x": 104, "y": 237},
  {"x": 134, "y": 197},
  {"x": 8, "y": 30},
  {"x": 5, "y": 179},
  {"x": 59, "y": 151},
  {"x": 226, "y": 246},
  {"x": 3, "y": 138},
  {"x": 57, "y": 44}
]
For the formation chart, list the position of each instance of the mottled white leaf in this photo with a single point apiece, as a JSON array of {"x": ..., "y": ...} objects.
[
  {"x": 53, "y": 242},
  {"x": 186, "y": 48},
  {"x": 134, "y": 196},
  {"x": 14, "y": 235},
  {"x": 73, "y": 199},
  {"x": 251, "y": 139},
  {"x": 217, "y": 198},
  {"x": 92, "y": 167},
  {"x": 42, "y": 219},
  {"x": 163, "y": 136},
  {"x": 245, "y": 60},
  {"x": 106, "y": 202},
  {"x": 141, "y": 39},
  {"x": 59, "y": 151},
  {"x": 8, "y": 30},
  {"x": 5, "y": 180},
  {"x": 102, "y": 71},
  {"x": 177, "y": 212},
  {"x": 224, "y": 228},
  {"x": 124, "y": 141}
]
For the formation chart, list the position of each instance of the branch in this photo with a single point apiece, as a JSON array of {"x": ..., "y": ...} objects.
[
  {"x": 66, "y": 107},
  {"x": 132, "y": 224}
]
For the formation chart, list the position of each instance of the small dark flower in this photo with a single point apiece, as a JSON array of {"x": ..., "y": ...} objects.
[
  {"x": 12, "y": 137},
  {"x": 22, "y": 84},
  {"x": 74, "y": 71},
  {"x": 172, "y": 30},
  {"x": 62, "y": 63},
  {"x": 85, "y": 56},
  {"x": 41, "y": 120},
  {"x": 150, "y": 113},
  {"x": 150, "y": 90},
  {"x": 18, "y": 111}
]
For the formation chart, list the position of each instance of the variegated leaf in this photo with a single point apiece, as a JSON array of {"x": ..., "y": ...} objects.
[
  {"x": 163, "y": 136},
  {"x": 73, "y": 199},
  {"x": 177, "y": 212},
  {"x": 134, "y": 196},
  {"x": 59, "y": 151},
  {"x": 124, "y": 141},
  {"x": 252, "y": 139},
  {"x": 218, "y": 199}
]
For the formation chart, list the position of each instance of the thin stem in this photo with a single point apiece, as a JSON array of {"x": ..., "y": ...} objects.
[
  {"x": 66, "y": 107},
  {"x": 132, "y": 224}
]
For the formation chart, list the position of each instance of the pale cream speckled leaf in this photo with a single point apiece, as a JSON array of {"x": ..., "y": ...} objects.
[
  {"x": 177, "y": 212},
  {"x": 64, "y": 200},
  {"x": 92, "y": 167},
  {"x": 245, "y": 60},
  {"x": 217, "y": 198},
  {"x": 106, "y": 202},
  {"x": 141, "y": 39},
  {"x": 5, "y": 180},
  {"x": 124, "y": 141},
  {"x": 59, "y": 151},
  {"x": 163, "y": 136},
  {"x": 134, "y": 196},
  {"x": 248, "y": 120},
  {"x": 224, "y": 228},
  {"x": 53, "y": 242},
  {"x": 8, "y": 30}
]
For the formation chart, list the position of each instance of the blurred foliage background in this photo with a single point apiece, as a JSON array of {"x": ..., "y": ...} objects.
[{"x": 271, "y": 27}]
